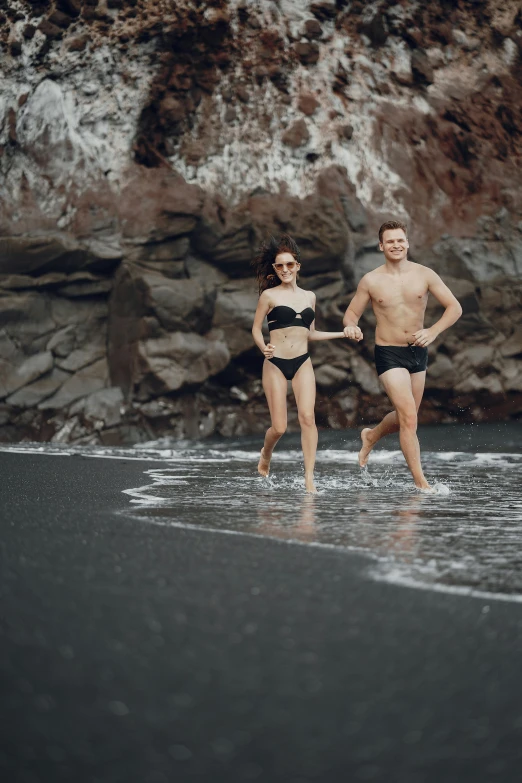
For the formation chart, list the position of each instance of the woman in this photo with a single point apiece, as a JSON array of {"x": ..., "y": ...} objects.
[{"x": 291, "y": 314}]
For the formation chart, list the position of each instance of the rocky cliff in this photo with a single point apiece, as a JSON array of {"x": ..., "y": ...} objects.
[{"x": 146, "y": 147}]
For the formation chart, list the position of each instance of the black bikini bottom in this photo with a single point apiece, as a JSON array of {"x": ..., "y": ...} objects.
[
  {"x": 412, "y": 358},
  {"x": 289, "y": 367}
]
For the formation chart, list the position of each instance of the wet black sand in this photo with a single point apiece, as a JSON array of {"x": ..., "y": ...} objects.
[{"x": 133, "y": 652}]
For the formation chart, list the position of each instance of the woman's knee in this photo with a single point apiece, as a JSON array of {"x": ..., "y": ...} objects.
[
  {"x": 307, "y": 419},
  {"x": 279, "y": 428}
]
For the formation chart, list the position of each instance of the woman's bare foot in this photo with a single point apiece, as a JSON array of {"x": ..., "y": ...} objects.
[
  {"x": 367, "y": 446},
  {"x": 309, "y": 485},
  {"x": 264, "y": 465}
]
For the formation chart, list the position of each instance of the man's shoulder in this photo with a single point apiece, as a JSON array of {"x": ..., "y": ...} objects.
[
  {"x": 420, "y": 268},
  {"x": 374, "y": 275},
  {"x": 426, "y": 272}
]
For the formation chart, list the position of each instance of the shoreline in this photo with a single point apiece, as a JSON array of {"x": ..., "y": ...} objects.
[{"x": 139, "y": 652}]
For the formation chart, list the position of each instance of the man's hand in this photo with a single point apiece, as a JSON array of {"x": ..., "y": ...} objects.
[
  {"x": 424, "y": 337},
  {"x": 353, "y": 333},
  {"x": 269, "y": 351}
]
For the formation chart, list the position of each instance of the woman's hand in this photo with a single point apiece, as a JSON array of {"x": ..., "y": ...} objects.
[
  {"x": 353, "y": 333},
  {"x": 268, "y": 351}
]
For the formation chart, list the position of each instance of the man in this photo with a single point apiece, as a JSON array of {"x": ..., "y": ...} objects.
[{"x": 398, "y": 291}]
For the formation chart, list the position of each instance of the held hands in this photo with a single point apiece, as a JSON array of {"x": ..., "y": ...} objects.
[
  {"x": 268, "y": 351},
  {"x": 353, "y": 333},
  {"x": 424, "y": 337}
]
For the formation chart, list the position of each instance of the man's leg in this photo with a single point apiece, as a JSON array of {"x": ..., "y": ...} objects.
[
  {"x": 390, "y": 423},
  {"x": 398, "y": 386}
]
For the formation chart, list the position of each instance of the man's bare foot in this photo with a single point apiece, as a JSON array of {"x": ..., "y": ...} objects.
[
  {"x": 367, "y": 446},
  {"x": 264, "y": 465},
  {"x": 427, "y": 488}
]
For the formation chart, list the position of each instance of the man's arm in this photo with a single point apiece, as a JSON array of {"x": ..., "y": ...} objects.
[
  {"x": 354, "y": 311},
  {"x": 452, "y": 313}
]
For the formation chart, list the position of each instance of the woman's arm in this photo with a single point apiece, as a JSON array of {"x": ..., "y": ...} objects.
[
  {"x": 263, "y": 306},
  {"x": 316, "y": 336}
]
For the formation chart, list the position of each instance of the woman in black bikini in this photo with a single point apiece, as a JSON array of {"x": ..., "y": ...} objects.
[{"x": 291, "y": 315}]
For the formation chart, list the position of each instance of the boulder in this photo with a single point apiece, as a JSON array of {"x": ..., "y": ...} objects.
[
  {"x": 62, "y": 341},
  {"x": 179, "y": 359},
  {"x": 441, "y": 373},
  {"x": 34, "y": 393},
  {"x": 330, "y": 378},
  {"x": 491, "y": 384},
  {"x": 49, "y": 252},
  {"x": 225, "y": 238},
  {"x": 84, "y": 382},
  {"x": 307, "y": 52},
  {"x": 513, "y": 345},
  {"x": 234, "y": 314},
  {"x": 312, "y": 29},
  {"x": 474, "y": 357},
  {"x": 308, "y": 103},
  {"x": 365, "y": 375},
  {"x": 421, "y": 67},
  {"x": 165, "y": 257},
  {"x": 472, "y": 259},
  {"x": 81, "y": 357},
  {"x": 14, "y": 376},
  {"x": 101, "y": 406},
  {"x": 296, "y": 135},
  {"x": 179, "y": 305},
  {"x": 376, "y": 28},
  {"x": 157, "y": 204}
]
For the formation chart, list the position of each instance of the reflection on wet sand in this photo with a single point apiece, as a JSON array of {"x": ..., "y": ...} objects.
[
  {"x": 465, "y": 538},
  {"x": 273, "y": 520}
]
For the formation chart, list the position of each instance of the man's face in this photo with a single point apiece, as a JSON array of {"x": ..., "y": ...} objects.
[{"x": 394, "y": 244}]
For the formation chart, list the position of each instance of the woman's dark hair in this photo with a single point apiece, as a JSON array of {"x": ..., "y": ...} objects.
[{"x": 266, "y": 256}]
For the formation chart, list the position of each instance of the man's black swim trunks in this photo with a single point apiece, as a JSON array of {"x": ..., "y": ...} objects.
[{"x": 412, "y": 358}]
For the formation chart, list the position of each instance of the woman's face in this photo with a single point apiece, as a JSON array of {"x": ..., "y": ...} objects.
[{"x": 286, "y": 267}]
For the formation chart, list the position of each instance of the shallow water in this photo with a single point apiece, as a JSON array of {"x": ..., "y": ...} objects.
[{"x": 466, "y": 538}]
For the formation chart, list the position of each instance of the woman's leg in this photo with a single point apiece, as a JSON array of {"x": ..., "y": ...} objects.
[
  {"x": 303, "y": 385},
  {"x": 275, "y": 387}
]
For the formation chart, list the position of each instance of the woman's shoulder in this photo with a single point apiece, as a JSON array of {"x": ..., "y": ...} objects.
[{"x": 310, "y": 296}]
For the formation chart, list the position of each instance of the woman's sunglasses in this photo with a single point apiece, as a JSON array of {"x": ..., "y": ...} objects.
[{"x": 290, "y": 266}]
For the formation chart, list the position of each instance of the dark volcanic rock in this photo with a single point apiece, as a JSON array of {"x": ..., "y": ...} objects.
[
  {"x": 297, "y": 134},
  {"x": 50, "y": 252},
  {"x": 308, "y": 104},
  {"x": 376, "y": 29},
  {"x": 312, "y": 29},
  {"x": 121, "y": 281},
  {"x": 307, "y": 52},
  {"x": 157, "y": 205},
  {"x": 421, "y": 68}
]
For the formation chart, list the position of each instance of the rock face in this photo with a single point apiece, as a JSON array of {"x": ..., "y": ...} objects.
[{"x": 147, "y": 148}]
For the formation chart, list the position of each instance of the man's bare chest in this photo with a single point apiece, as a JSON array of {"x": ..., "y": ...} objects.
[{"x": 391, "y": 294}]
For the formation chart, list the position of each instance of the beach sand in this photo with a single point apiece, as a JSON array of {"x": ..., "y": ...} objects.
[{"x": 137, "y": 652}]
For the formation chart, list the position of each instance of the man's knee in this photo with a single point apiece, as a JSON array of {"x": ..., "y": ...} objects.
[
  {"x": 408, "y": 418},
  {"x": 307, "y": 419}
]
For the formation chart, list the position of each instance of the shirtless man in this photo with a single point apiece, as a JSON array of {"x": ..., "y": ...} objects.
[{"x": 398, "y": 291}]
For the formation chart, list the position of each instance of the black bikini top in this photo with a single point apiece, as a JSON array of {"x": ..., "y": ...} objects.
[{"x": 281, "y": 317}]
